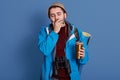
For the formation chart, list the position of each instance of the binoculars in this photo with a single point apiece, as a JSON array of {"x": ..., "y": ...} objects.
[{"x": 61, "y": 62}]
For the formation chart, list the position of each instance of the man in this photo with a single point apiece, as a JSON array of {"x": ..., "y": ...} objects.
[{"x": 57, "y": 42}]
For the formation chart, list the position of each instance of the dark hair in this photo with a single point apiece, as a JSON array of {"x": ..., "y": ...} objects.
[{"x": 54, "y": 7}]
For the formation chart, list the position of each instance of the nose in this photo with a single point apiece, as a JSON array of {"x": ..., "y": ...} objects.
[{"x": 56, "y": 17}]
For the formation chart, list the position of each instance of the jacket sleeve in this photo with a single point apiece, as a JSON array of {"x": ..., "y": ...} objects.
[
  {"x": 84, "y": 40},
  {"x": 46, "y": 41}
]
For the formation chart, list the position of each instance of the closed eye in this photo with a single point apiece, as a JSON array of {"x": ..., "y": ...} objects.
[{"x": 58, "y": 13}]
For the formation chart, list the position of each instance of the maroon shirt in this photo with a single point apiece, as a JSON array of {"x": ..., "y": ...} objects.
[
  {"x": 63, "y": 34},
  {"x": 61, "y": 43}
]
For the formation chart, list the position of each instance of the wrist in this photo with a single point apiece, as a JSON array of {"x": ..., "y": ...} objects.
[{"x": 56, "y": 31}]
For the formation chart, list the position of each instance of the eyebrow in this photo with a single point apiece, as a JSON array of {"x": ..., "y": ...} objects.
[{"x": 58, "y": 12}]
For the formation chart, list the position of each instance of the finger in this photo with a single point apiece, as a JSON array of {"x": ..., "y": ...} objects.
[
  {"x": 60, "y": 21},
  {"x": 80, "y": 51},
  {"x": 82, "y": 48},
  {"x": 56, "y": 20},
  {"x": 81, "y": 54},
  {"x": 79, "y": 43}
]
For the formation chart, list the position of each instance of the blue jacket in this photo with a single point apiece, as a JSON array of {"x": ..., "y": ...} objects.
[{"x": 47, "y": 43}]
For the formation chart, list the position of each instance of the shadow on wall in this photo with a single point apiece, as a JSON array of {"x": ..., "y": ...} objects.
[{"x": 29, "y": 58}]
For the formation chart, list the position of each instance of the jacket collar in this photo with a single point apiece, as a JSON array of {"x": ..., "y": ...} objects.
[{"x": 71, "y": 29}]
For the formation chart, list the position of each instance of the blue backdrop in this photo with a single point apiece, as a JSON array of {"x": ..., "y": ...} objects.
[{"x": 20, "y": 22}]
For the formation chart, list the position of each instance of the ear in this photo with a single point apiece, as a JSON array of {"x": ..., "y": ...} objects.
[{"x": 65, "y": 15}]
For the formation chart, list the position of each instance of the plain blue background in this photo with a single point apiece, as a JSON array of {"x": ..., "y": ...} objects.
[{"x": 20, "y": 22}]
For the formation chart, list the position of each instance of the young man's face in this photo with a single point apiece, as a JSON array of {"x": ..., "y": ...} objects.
[{"x": 57, "y": 13}]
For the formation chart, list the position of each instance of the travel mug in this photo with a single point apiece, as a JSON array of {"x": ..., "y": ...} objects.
[{"x": 79, "y": 46}]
